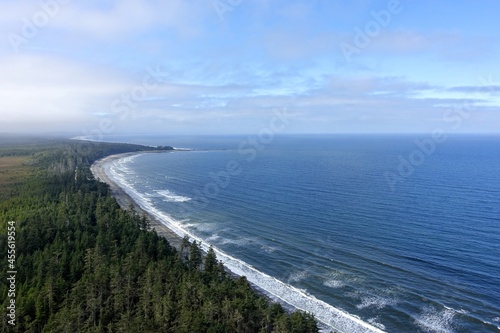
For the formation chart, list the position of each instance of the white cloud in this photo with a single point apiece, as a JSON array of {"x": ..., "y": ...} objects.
[
  {"x": 402, "y": 41},
  {"x": 47, "y": 91},
  {"x": 131, "y": 17},
  {"x": 110, "y": 20},
  {"x": 268, "y": 54}
]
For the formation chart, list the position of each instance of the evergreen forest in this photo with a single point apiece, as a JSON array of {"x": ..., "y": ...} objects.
[{"x": 83, "y": 264}]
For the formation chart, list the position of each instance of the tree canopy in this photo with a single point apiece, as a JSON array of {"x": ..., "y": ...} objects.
[{"x": 86, "y": 265}]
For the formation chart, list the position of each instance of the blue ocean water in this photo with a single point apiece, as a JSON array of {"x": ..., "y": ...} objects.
[{"x": 370, "y": 233}]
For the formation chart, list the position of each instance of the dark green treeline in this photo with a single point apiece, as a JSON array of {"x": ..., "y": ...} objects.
[{"x": 85, "y": 265}]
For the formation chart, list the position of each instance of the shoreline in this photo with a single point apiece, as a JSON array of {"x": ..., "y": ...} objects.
[
  {"x": 336, "y": 319},
  {"x": 125, "y": 200}
]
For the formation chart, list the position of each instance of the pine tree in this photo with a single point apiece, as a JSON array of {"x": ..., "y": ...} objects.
[{"x": 195, "y": 258}]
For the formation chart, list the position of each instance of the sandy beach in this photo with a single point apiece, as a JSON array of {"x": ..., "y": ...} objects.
[
  {"x": 272, "y": 289},
  {"x": 124, "y": 200}
]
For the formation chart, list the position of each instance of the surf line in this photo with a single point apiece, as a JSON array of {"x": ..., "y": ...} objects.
[{"x": 325, "y": 313}]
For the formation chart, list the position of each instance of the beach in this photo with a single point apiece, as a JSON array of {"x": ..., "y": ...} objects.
[
  {"x": 273, "y": 289},
  {"x": 124, "y": 200}
]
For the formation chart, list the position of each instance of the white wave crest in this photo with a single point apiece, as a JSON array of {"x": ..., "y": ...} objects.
[
  {"x": 298, "y": 276},
  {"x": 339, "y": 279},
  {"x": 269, "y": 249},
  {"x": 374, "y": 322},
  {"x": 334, "y": 318},
  {"x": 334, "y": 283},
  {"x": 170, "y": 196},
  {"x": 377, "y": 301},
  {"x": 434, "y": 321},
  {"x": 242, "y": 241}
]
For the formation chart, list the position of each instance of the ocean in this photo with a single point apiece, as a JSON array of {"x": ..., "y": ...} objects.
[{"x": 371, "y": 233}]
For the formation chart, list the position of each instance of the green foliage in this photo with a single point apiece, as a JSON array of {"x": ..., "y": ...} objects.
[{"x": 86, "y": 265}]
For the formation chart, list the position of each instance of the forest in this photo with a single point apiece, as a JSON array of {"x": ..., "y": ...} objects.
[{"x": 83, "y": 264}]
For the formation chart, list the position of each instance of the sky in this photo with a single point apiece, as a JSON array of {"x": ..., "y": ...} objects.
[{"x": 232, "y": 66}]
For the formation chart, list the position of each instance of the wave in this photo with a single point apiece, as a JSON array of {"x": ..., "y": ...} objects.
[
  {"x": 378, "y": 299},
  {"x": 217, "y": 239},
  {"x": 326, "y": 314},
  {"x": 171, "y": 196},
  {"x": 433, "y": 320},
  {"x": 267, "y": 248},
  {"x": 340, "y": 279},
  {"x": 119, "y": 171},
  {"x": 298, "y": 276},
  {"x": 494, "y": 322},
  {"x": 374, "y": 322},
  {"x": 332, "y": 283}
]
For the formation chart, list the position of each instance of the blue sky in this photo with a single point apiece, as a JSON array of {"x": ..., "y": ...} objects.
[{"x": 227, "y": 66}]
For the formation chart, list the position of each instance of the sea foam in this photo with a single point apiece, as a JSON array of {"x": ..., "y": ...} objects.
[
  {"x": 436, "y": 321},
  {"x": 326, "y": 314},
  {"x": 170, "y": 196}
]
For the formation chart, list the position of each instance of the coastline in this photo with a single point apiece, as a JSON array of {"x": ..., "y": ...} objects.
[
  {"x": 328, "y": 318},
  {"x": 125, "y": 200}
]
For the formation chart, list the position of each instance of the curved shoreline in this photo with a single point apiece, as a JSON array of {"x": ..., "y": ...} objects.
[
  {"x": 330, "y": 316},
  {"x": 124, "y": 200}
]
